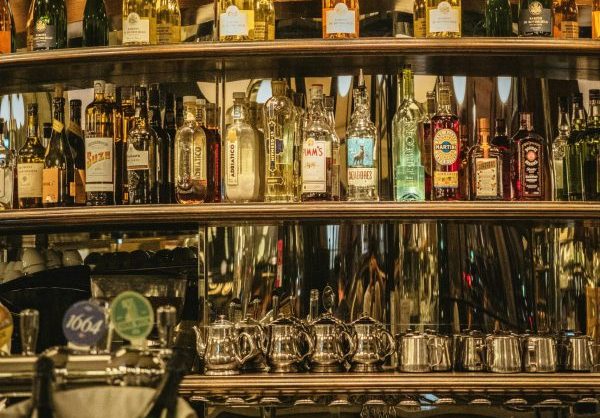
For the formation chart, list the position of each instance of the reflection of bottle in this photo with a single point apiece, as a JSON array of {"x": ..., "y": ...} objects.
[
  {"x": 340, "y": 19},
  {"x": 559, "y": 151},
  {"x": 30, "y": 164},
  {"x": 139, "y": 22},
  {"x": 47, "y": 25},
  {"x": 443, "y": 19},
  {"x": 535, "y": 18}
]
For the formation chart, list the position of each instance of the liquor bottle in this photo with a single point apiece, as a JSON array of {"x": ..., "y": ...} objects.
[
  {"x": 236, "y": 20},
  {"x": 30, "y": 164},
  {"x": 264, "y": 20},
  {"x": 591, "y": 149},
  {"x": 340, "y": 19},
  {"x": 127, "y": 124},
  {"x": 114, "y": 98},
  {"x": 58, "y": 177},
  {"x": 139, "y": 22},
  {"x": 560, "y": 148},
  {"x": 443, "y": 19},
  {"x": 301, "y": 120},
  {"x": 362, "y": 146},
  {"x": 95, "y": 23},
  {"x": 168, "y": 22},
  {"x": 529, "y": 161},
  {"x": 46, "y": 134},
  {"x": 595, "y": 19},
  {"x": 329, "y": 105},
  {"x": 502, "y": 142},
  {"x": 163, "y": 146},
  {"x": 242, "y": 174},
  {"x": 565, "y": 24},
  {"x": 142, "y": 158},
  {"x": 445, "y": 149},
  {"x": 100, "y": 149},
  {"x": 426, "y": 141},
  {"x": 75, "y": 138},
  {"x": 498, "y": 18},
  {"x": 280, "y": 131},
  {"x": 47, "y": 25},
  {"x": 13, "y": 29},
  {"x": 5, "y": 28},
  {"x": 316, "y": 158},
  {"x": 179, "y": 116},
  {"x": 535, "y": 18},
  {"x": 190, "y": 158},
  {"x": 170, "y": 127},
  {"x": 214, "y": 153},
  {"x": 485, "y": 167},
  {"x": 7, "y": 171},
  {"x": 419, "y": 24},
  {"x": 574, "y": 158},
  {"x": 42, "y": 405}
]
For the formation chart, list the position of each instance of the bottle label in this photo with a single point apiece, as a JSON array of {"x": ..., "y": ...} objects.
[
  {"x": 535, "y": 20},
  {"x": 340, "y": 19},
  {"x": 314, "y": 165},
  {"x": 596, "y": 25},
  {"x": 486, "y": 177},
  {"x": 235, "y": 22},
  {"x": 6, "y": 328},
  {"x": 137, "y": 159},
  {"x": 445, "y": 147},
  {"x": 164, "y": 33},
  {"x": 361, "y": 167},
  {"x": 80, "y": 197},
  {"x": 233, "y": 161},
  {"x": 29, "y": 179},
  {"x": 136, "y": 29},
  {"x": 50, "y": 184},
  {"x": 44, "y": 36},
  {"x": 558, "y": 174},
  {"x": 445, "y": 179},
  {"x": 444, "y": 18},
  {"x": 99, "y": 156},
  {"x": 569, "y": 29},
  {"x": 57, "y": 126},
  {"x": 75, "y": 129},
  {"x": 274, "y": 150},
  {"x": 420, "y": 28},
  {"x": 5, "y": 46},
  {"x": 264, "y": 31},
  {"x": 132, "y": 316},
  {"x": 199, "y": 164},
  {"x": 531, "y": 174},
  {"x": 84, "y": 324}
]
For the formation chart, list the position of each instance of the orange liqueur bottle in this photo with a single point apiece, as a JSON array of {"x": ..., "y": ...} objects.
[{"x": 340, "y": 19}]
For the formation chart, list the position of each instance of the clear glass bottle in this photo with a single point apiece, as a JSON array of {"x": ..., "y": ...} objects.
[
  {"x": 485, "y": 167},
  {"x": 242, "y": 172},
  {"x": 409, "y": 173},
  {"x": 168, "y": 22},
  {"x": 565, "y": 19},
  {"x": 329, "y": 106},
  {"x": 264, "y": 20},
  {"x": 559, "y": 151},
  {"x": 316, "y": 158},
  {"x": 75, "y": 138},
  {"x": 444, "y": 19},
  {"x": 139, "y": 22},
  {"x": 280, "y": 136},
  {"x": 419, "y": 24},
  {"x": 236, "y": 20},
  {"x": 30, "y": 164},
  {"x": 362, "y": 144},
  {"x": 575, "y": 149},
  {"x": 529, "y": 161},
  {"x": 190, "y": 158},
  {"x": 340, "y": 19},
  {"x": 99, "y": 149},
  {"x": 142, "y": 161},
  {"x": 591, "y": 149},
  {"x": 301, "y": 120}
]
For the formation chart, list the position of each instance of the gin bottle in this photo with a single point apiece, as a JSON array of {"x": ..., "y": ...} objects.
[
  {"x": 409, "y": 173},
  {"x": 362, "y": 146},
  {"x": 591, "y": 149},
  {"x": 280, "y": 133},
  {"x": 575, "y": 149},
  {"x": 317, "y": 151},
  {"x": 242, "y": 175},
  {"x": 30, "y": 164},
  {"x": 485, "y": 166},
  {"x": 559, "y": 151},
  {"x": 329, "y": 105}
]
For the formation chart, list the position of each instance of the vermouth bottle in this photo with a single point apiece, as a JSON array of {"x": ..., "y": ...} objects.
[
  {"x": 409, "y": 173},
  {"x": 142, "y": 158},
  {"x": 485, "y": 167},
  {"x": 30, "y": 164},
  {"x": 363, "y": 146},
  {"x": 139, "y": 22},
  {"x": 47, "y": 25},
  {"x": 591, "y": 149},
  {"x": 559, "y": 151},
  {"x": 99, "y": 149},
  {"x": 75, "y": 138},
  {"x": 575, "y": 149},
  {"x": 280, "y": 131},
  {"x": 529, "y": 162}
]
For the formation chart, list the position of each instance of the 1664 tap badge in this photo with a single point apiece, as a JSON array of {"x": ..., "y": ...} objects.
[
  {"x": 132, "y": 316},
  {"x": 84, "y": 324},
  {"x": 6, "y": 326}
]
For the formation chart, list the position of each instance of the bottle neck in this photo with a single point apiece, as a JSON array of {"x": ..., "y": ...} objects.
[
  {"x": 141, "y": 113},
  {"x": 444, "y": 106},
  {"x": 408, "y": 90},
  {"x": 59, "y": 110},
  {"x": 189, "y": 110},
  {"x": 32, "y": 126},
  {"x": 594, "y": 118},
  {"x": 484, "y": 142},
  {"x": 239, "y": 112},
  {"x": 564, "y": 126},
  {"x": 75, "y": 115},
  {"x": 578, "y": 123}
]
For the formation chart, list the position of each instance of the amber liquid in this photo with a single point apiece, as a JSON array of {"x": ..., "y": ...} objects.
[{"x": 214, "y": 164}]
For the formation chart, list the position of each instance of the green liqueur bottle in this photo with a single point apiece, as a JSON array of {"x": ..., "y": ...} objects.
[
  {"x": 498, "y": 18},
  {"x": 95, "y": 24},
  {"x": 47, "y": 25},
  {"x": 575, "y": 149},
  {"x": 591, "y": 147},
  {"x": 535, "y": 18}
]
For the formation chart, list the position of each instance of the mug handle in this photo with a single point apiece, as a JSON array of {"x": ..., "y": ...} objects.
[
  {"x": 310, "y": 343},
  {"x": 351, "y": 346},
  {"x": 439, "y": 348},
  {"x": 253, "y": 349},
  {"x": 531, "y": 350},
  {"x": 390, "y": 344},
  {"x": 482, "y": 350}
]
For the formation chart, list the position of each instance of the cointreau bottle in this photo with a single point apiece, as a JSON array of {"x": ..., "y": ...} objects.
[
  {"x": 485, "y": 166},
  {"x": 446, "y": 161},
  {"x": 529, "y": 160}
]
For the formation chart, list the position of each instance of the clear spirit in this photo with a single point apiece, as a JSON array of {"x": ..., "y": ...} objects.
[
  {"x": 559, "y": 151},
  {"x": 591, "y": 149},
  {"x": 340, "y": 19},
  {"x": 529, "y": 161},
  {"x": 485, "y": 167},
  {"x": 30, "y": 164},
  {"x": 444, "y": 19},
  {"x": 575, "y": 149}
]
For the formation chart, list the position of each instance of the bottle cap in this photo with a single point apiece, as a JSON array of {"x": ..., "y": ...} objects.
[
  {"x": 484, "y": 125},
  {"x": 200, "y": 102}
]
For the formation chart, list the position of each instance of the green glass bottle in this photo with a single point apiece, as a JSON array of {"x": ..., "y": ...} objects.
[
  {"x": 535, "y": 18},
  {"x": 575, "y": 149},
  {"x": 95, "y": 24},
  {"x": 47, "y": 25},
  {"x": 591, "y": 148},
  {"x": 498, "y": 18}
]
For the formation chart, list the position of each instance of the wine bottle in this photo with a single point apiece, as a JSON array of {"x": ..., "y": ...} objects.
[
  {"x": 5, "y": 27},
  {"x": 30, "y": 164},
  {"x": 58, "y": 177},
  {"x": 169, "y": 124},
  {"x": 139, "y": 22},
  {"x": 41, "y": 397},
  {"x": 95, "y": 23},
  {"x": 168, "y": 22},
  {"x": 47, "y": 25},
  {"x": 163, "y": 145},
  {"x": 126, "y": 103},
  {"x": 75, "y": 138}
]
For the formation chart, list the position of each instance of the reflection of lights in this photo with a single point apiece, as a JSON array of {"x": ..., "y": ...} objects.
[
  {"x": 460, "y": 88},
  {"x": 264, "y": 91},
  {"x": 344, "y": 82},
  {"x": 504, "y": 85},
  {"x": 18, "y": 109}
]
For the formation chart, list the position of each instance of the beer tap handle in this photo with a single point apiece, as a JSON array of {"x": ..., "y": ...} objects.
[
  {"x": 166, "y": 321},
  {"x": 29, "y": 324}
]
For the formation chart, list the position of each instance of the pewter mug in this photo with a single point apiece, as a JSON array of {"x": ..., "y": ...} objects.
[
  {"x": 503, "y": 353},
  {"x": 373, "y": 345},
  {"x": 470, "y": 351},
  {"x": 441, "y": 353},
  {"x": 415, "y": 352},
  {"x": 539, "y": 354},
  {"x": 577, "y": 353},
  {"x": 286, "y": 346},
  {"x": 328, "y": 354}
]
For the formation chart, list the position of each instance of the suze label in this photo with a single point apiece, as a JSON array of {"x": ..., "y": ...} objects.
[
  {"x": 84, "y": 324},
  {"x": 361, "y": 167},
  {"x": 486, "y": 177},
  {"x": 444, "y": 18},
  {"x": 44, "y": 36},
  {"x": 314, "y": 165},
  {"x": 29, "y": 179},
  {"x": 233, "y": 162},
  {"x": 445, "y": 147},
  {"x": 137, "y": 159},
  {"x": 99, "y": 164},
  {"x": 340, "y": 19},
  {"x": 136, "y": 29},
  {"x": 531, "y": 173},
  {"x": 535, "y": 20},
  {"x": 235, "y": 22}
]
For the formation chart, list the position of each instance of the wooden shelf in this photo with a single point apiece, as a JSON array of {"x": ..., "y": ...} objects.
[{"x": 78, "y": 67}]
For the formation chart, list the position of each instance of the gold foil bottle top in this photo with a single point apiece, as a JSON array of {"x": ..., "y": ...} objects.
[{"x": 484, "y": 125}]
